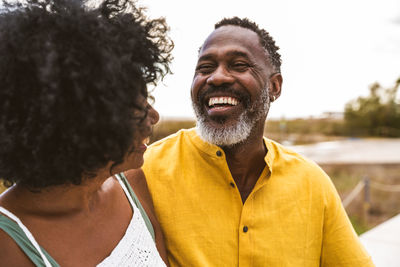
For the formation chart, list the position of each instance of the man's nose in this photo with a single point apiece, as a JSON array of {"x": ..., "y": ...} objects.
[
  {"x": 220, "y": 76},
  {"x": 153, "y": 115}
]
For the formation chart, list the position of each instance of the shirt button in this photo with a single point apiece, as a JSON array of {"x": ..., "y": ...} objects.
[
  {"x": 245, "y": 229},
  {"x": 232, "y": 184},
  {"x": 219, "y": 153}
]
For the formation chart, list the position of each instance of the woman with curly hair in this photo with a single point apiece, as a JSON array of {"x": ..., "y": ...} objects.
[{"x": 73, "y": 117}]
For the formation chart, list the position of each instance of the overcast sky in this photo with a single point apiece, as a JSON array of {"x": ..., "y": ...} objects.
[{"x": 331, "y": 50}]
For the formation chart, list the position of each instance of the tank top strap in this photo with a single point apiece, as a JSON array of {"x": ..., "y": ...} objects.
[
  {"x": 130, "y": 194},
  {"x": 13, "y": 226}
]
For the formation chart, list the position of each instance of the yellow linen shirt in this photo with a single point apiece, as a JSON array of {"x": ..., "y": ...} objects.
[
  {"x": 2, "y": 186},
  {"x": 293, "y": 216}
]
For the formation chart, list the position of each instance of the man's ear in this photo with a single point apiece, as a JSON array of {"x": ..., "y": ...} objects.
[{"x": 275, "y": 86}]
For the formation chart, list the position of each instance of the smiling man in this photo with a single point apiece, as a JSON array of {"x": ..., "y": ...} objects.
[{"x": 227, "y": 196}]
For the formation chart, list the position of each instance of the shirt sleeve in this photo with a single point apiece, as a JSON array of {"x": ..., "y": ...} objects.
[{"x": 341, "y": 245}]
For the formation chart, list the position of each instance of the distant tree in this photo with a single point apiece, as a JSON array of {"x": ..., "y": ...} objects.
[{"x": 378, "y": 114}]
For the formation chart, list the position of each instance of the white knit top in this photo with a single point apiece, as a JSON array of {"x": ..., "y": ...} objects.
[{"x": 136, "y": 248}]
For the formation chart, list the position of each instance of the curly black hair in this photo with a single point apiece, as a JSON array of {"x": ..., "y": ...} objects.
[
  {"x": 265, "y": 38},
  {"x": 72, "y": 78}
]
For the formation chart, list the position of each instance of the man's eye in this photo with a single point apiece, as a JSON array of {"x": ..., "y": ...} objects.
[
  {"x": 205, "y": 68},
  {"x": 240, "y": 66}
]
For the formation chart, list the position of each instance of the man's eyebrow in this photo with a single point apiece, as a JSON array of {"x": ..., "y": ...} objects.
[
  {"x": 235, "y": 53},
  {"x": 238, "y": 53},
  {"x": 206, "y": 57}
]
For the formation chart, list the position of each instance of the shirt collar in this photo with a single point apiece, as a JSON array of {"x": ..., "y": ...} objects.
[
  {"x": 211, "y": 149},
  {"x": 204, "y": 146},
  {"x": 270, "y": 157}
]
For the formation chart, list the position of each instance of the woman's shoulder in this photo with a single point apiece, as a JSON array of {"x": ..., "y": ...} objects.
[
  {"x": 137, "y": 180},
  {"x": 10, "y": 253}
]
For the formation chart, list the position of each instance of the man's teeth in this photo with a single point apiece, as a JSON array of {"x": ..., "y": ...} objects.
[{"x": 222, "y": 100}]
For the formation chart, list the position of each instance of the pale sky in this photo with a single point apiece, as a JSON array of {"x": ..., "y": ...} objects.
[{"x": 331, "y": 50}]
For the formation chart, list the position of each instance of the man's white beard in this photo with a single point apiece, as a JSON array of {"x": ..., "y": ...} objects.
[
  {"x": 226, "y": 136},
  {"x": 240, "y": 131}
]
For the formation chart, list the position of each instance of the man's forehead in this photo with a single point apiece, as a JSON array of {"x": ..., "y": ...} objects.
[
  {"x": 238, "y": 38},
  {"x": 233, "y": 30}
]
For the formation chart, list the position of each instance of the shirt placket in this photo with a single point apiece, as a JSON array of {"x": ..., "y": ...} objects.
[{"x": 245, "y": 233}]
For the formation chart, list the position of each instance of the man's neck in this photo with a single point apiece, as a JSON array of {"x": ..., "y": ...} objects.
[{"x": 246, "y": 163}]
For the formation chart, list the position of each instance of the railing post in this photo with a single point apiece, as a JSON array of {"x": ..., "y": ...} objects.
[{"x": 367, "y": 199}]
